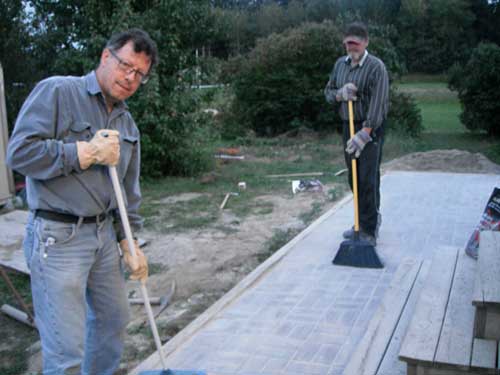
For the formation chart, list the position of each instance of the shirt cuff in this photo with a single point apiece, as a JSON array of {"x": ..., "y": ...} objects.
[
  {"x": 71, "y": 162},
  {"x": 366, "y": 124}
]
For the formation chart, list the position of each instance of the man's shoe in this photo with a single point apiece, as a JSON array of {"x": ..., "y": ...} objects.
[
  {"x": 349, "y": 235},
  {"x": 368, "y": 238}
]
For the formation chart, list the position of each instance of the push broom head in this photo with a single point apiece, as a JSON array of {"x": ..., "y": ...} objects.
[{"x": 357, "y": 253}]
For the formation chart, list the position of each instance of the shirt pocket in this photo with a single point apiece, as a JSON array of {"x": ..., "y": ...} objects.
[
  {"x": 79, "y": 131},
  {"x": 127, "y": 145}
]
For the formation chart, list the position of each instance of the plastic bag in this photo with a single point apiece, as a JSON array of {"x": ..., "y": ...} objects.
[
  {"x": 489, "y": 221},
  {"x": 307, "y": 185}
]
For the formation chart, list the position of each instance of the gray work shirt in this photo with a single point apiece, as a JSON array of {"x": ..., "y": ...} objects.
[
  {"x": 59, "y": 112},
  {"x": 371, "y": 78}
]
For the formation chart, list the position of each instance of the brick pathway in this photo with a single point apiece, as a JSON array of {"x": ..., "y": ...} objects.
[{"x": 298, "y": 313}]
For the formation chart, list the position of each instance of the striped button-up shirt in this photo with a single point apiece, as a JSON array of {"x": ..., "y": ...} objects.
[{"x": 371, "y": 79}]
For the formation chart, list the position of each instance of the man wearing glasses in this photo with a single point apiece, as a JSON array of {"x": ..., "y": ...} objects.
[
  {"x": 362, "y": 78},
  {"x": 69, "y": 130}
]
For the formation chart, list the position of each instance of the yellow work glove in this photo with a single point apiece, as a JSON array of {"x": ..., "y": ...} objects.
[
  {"x": 137, "y": 264},
  {"x": 103, "y": 148}
]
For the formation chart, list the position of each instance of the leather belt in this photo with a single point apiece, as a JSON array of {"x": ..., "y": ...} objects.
[{"x": 68, "y": 218}]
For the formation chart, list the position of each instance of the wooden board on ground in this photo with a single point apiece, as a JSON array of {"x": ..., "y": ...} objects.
[
  {"x": 372, "y": 348},
  {"x": 484, "y": 354},
  {"x": 391, "y": 365},
  {"x": 12, "y": 227},
  {"x": 487, "y": 285},
  {"x": 457, "y": 334},
  {"x": 421, "y": 340}
]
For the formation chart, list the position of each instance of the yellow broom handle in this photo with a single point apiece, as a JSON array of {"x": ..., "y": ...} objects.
[{"x": 354, "y": 170}]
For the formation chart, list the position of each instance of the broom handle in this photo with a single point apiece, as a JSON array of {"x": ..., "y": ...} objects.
[
  {"x": 354, "y": 171},
  {"x": 131, "y": 246}
]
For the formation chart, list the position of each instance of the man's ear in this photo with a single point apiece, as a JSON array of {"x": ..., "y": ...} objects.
[{"x": 105, "y": 55}]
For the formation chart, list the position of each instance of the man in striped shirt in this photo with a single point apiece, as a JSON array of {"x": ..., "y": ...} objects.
[{"x": 362, "y": 78}]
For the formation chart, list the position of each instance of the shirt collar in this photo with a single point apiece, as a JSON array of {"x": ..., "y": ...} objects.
[
  {"x": 93, "y": 88},
  {"x": 361, "y": 62}
]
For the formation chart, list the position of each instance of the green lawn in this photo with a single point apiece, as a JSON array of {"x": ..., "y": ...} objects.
[{"x": 440, "y": 109}]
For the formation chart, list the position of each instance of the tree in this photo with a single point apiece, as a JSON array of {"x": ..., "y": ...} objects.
[
  {"x": 487, "y": 19},
  {"x": 477, "y": 84},
  {"x": 67, "y": 37},
  {"x": 434, "y": 33},
  {"x": 15, "y": 55}
]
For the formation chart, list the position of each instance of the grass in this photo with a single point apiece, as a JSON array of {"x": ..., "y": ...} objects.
[
  {"x": 317, "y": 153},
  {"x": 440, "y": 111}
]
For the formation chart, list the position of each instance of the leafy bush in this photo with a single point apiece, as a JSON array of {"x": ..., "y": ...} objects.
[
  {"x": 404, "y": 115},
  {"x": 279, "y": 85},
  {"x": 477, "y": 85},
  {"x": 174, "y": 132}
]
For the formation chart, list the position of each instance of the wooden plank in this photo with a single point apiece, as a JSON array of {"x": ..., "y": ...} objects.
[
  {"x": 421, "y": 340},
  {"x": 455, "y": 342},
  {"x": 484, "y": 354},
  {"x": 498, "y": 357},
  {"x": 391, "y": 363},
  {"x": 492, "y": 323},
  {"x": 370, "y": 352},
  {"x": 305, "y": 174},
  {"x": 487, "y": 285},
  {"x": 480, "y": 322},
  {"x": 426, "y": 370},
  {"x": 6, "y": 178},
  {"x": 12, "y": 227}
]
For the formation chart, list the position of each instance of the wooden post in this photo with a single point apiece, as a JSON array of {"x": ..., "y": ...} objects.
[{"x": 6, "y": 178}]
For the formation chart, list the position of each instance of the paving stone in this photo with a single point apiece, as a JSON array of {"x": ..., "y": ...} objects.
[
  {"x": 275, "y": 365},
  {"x": 254, "y": 364},
  {"x": 327, "y": 353},
  {"x": 307, "y": 351},
  {"x": 302, "y": 368}
]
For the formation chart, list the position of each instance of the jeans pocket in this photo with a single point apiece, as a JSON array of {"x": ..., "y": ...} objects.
[{"x": 55, "y": 233}]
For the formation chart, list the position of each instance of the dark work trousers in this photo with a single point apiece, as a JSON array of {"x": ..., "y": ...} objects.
[{"x": 368, "y": 166}]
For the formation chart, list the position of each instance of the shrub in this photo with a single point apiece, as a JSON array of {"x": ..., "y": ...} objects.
[
  {"x": 174, "y": 132},
  {"x": 477, "y": 85},
  {"x": 404, "y": 115},
  {"x": 279, "y": 85}
]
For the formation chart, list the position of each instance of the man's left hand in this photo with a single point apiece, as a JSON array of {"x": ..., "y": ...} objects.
[
  {"x": 137, "y": 264},
  {"x": 357, "y": 143}
]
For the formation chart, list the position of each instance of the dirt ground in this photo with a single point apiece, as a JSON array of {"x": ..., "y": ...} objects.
[{"x": 205, "y": 264}]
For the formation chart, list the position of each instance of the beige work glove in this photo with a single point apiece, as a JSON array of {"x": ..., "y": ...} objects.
[
  {"x": 103, "y": 148},
  {"x": 137, "y": 264}
]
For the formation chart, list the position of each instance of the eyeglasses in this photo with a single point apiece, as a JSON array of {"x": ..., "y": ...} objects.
[{"x": 128, "y": 69}]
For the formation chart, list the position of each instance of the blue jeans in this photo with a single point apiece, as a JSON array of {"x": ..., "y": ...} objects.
[
  {"x": 28, "y": 238},
  {"x": 79, "y": 297}
]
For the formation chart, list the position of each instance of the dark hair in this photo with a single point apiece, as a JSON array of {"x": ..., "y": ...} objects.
[
  {"x": 142, "y": 43},
  {"x": 358, "y": 29}
]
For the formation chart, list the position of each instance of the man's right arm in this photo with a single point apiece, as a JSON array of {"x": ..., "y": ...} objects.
[
  {"x": 34, "y": 149},
  {"x": 330, "y": 89}
]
